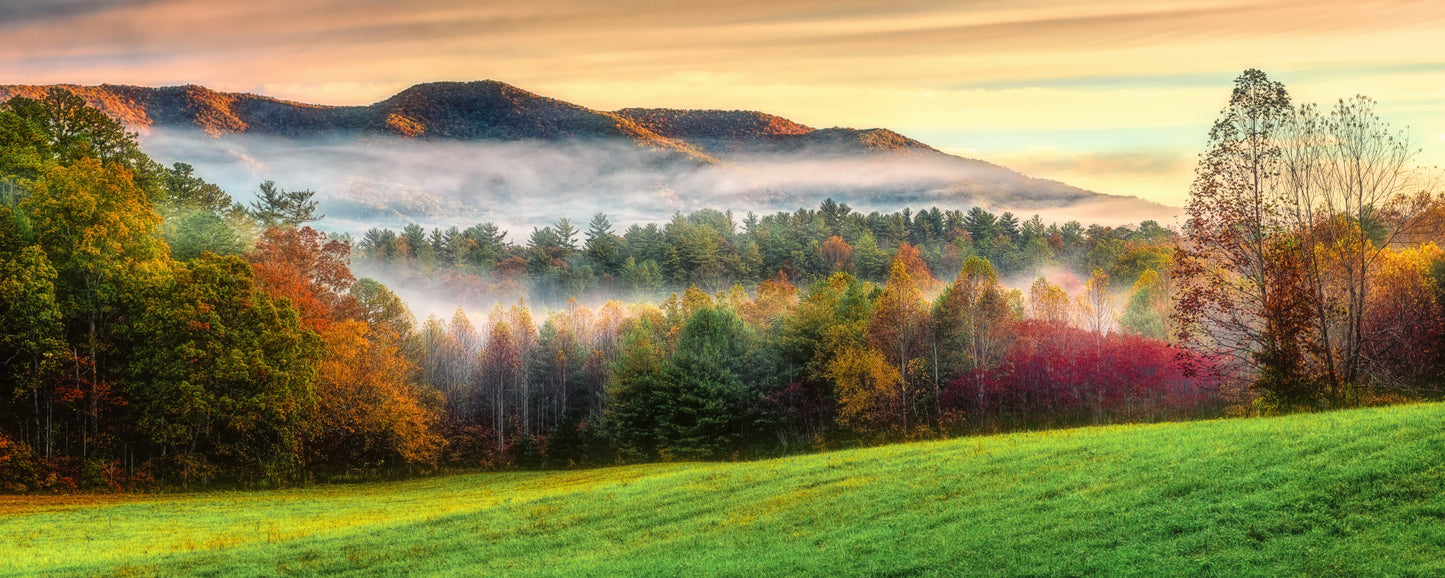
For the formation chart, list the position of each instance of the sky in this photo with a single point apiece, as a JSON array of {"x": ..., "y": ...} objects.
[{"x": 1116, "y": 97}]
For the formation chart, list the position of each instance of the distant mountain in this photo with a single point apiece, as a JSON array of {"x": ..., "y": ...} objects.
[
  {"x": 728, "y": 133},
  {"x": 439, "y": 110},
  {"x": 447, "y": 148}
]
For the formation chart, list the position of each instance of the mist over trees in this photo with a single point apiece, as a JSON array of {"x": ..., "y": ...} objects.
[{"x": 153, "y": 332}]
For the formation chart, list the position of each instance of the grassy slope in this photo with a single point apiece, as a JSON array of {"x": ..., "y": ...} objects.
[{"x": 1357, "y": 492}]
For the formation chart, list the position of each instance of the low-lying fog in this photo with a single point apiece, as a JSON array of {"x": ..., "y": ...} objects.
[{"x": 389, "y": 182}]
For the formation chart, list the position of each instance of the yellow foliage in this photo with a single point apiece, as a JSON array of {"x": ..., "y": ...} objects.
[{"x": 863, "y": 378}]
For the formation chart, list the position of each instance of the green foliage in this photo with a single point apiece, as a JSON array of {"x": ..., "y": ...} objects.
[
  {"x": 25, "y": 151},
  {"x": 1144, "y": 314},
  {"x": 30, "y": 320},
  {"x": 383, "y": 308},
  {"x": 184, "y": 189},
  {"x": 221, "y": 374},
  {"x": 636, "y": 383},
  {"x": 191, "y": 232},
  {"x": 98, "y": 230},
  {"x": 276, "y": 207},
  {"x": 75, "y": 131}
]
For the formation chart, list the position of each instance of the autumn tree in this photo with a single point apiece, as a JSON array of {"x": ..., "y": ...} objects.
[
  {"x": 1352, "y": 194},
  {"x": 1098, "y": 310},
  {"x": 311, "y": 270},
  {"x": 837, "y": 253},
  {"x": 1226, "y": 264},
  {"x": 97, "y": 229},
  {"x": 369, "y": 414},
  {"x": 1048, "y": 302},
  {"x": 898, "y": 331}
]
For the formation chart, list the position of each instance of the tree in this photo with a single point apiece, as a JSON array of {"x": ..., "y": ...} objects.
[
  {"x": 191, "y": 232},
  {"x": 981, "y": 225},
  {"x": 702, "y": 404},
  {"x": 76, "y": 130},
  {"x": 1098, "y": 312},
  {"x": 837, "y": 253},
  {"x": 25, "y": 151},
  {"x": 309, "y": 269},
  {"x": 31, "y": 344},
  {"x": 898, "y": 330},
  {"x": 983, "y": 317},
  {"x": 275, "y": 207},
  {"x": 868, "y": 258},
  {"x": 634, "y": 389},
  {"x": 368, "y": 412},
  {"x": 97, "y": 229},
  {"x": 1048, "y": 302},
  {"x": 1351, "y": 195},
  {"x": 603, "y": 249},
  {"x": 183, "y": 188},
  {"x": 382, "y": 309},
  {"x": 912, "y": 261},
  {"x": 222, "y": 375},
  {"x": 1144, "y": 313},
  {"x": 1227, "y": 262},
  {"x": 868, "y": 388}
]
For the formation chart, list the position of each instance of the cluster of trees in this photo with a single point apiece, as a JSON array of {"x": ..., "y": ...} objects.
[
  {"x": 1307, "y": 267},
  {"x": 151, "y": 329},
  {"x": 711, "y": 250},
  {"x": 730, "y": 374}
]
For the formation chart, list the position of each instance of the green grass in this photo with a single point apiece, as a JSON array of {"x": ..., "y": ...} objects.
[{"x": 1355, "y": 493}]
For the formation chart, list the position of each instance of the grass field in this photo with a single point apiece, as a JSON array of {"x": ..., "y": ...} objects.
[{"x": 1354, "y": 493}]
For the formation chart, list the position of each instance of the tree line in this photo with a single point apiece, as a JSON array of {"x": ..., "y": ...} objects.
[{"x": 715, "y": 250}]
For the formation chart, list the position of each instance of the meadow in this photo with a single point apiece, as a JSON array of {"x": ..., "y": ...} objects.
[{"x": 1358, "y": 492}]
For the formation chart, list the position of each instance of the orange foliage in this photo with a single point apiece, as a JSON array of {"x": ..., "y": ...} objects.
[
  {"x": 838, "y": 254},
  {"x": 775, "y": 297},
  {"x": 302, "y": 265},
  {"x": 367, "y": 408},
  {"x": 917, "y": 269}
]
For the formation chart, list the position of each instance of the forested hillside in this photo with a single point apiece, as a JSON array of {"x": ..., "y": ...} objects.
[{"x": 157, "y": 333}]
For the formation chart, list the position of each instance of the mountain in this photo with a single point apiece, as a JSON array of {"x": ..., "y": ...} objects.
[
  {"x": 728, "y": 133},
  {"x": 438, "y": 110},
  {"x": 470, "y": 150}
]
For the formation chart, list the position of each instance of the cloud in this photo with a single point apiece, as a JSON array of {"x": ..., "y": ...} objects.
[
  {"x": 1161, "y": 175},
  {"x": 21, "y": 12}
]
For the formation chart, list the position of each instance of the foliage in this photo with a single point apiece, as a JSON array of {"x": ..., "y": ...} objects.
[
  {"x": 221, "y": 374},
  {"x": 276, "y": 207}
]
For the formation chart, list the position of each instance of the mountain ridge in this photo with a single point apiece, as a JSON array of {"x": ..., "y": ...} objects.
[
  {"x": 478, "y": 145},
  {"x": 477, "y": 110}
]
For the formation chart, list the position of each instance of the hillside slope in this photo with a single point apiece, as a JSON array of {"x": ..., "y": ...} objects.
[
  {"x": 469, "y": 111},
  {"x": 1355, "y": 493}
]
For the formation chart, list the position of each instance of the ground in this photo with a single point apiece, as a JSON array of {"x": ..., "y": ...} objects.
[{"x": 1358, "y": 492}]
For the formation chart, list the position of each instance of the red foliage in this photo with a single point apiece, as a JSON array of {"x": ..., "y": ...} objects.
[
  {"x": 310, "y": 270},
  {"x": 1055, "y": 374}
]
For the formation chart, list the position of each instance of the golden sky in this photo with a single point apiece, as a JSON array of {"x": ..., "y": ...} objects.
[{"x": 1111, "y": 96}]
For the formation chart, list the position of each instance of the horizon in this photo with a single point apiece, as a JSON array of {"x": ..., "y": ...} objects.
[{"x": 1113, "y": 98}]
